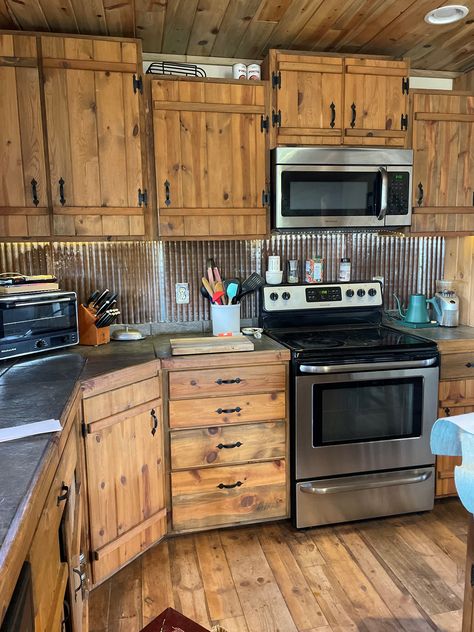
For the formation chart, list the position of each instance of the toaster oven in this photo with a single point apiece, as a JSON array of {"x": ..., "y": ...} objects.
[{"x": 40, "y": 321}]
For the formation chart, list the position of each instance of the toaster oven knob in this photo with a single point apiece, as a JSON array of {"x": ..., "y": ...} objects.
[
  {"x": 372, "y": 291},
  {"x": 273, "y": 296},
  {"x": 40, "y": 344},
  {"x": 361, "y": 292},
  {"x": 285, "y": 296},
  {"x": 350, "y": 293}
]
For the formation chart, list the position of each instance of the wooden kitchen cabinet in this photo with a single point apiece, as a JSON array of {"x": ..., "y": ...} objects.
[
  {"x": 125, "y": 468},
  {"x": 209, "y": 143},
  {"x": 443, "y": 162},
  {"x": 94, "y": 136},
  {"x": 334, "y": 100},
  {"x": 24, "y": 207}
]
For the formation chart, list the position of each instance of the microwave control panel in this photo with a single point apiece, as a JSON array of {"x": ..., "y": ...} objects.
[{"x": 398, "y": 200}]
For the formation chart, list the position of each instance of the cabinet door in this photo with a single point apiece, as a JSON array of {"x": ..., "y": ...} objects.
[
  {"x": 125, "y": 473},
  {"x": 443, "y": 170},
  {"x": 375, "y": 100},
  {"x": 23, "y": 195},
  {"x": 94, "y": 137},
  {"x": 210, "y": 158},
  {"x": 308, "y": 97}
]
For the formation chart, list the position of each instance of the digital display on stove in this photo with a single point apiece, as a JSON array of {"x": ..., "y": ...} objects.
[{"x": 323, "y": 294}]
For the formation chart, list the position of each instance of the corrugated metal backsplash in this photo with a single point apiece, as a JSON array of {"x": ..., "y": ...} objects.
[{"x": 144, "y": 273}]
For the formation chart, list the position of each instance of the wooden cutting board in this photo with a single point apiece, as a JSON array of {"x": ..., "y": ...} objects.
[{"x": 224, "y": 344}]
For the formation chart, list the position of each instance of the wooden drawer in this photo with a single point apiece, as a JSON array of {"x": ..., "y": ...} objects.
[
  {"x": 456, "y": 365},
  {"x": 227, "y": 381},
  {"x": 445, "y": 475},
  {"x": 228, "y": 495},
  {"x": 226, "y": 410},
  {"x": 456, "y": 393},
  {"x": 219, "y": 445},
  {"x": 120, "y": 399}
]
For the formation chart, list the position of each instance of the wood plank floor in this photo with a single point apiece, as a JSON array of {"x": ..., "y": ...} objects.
[{"x": 402, "y": 574}]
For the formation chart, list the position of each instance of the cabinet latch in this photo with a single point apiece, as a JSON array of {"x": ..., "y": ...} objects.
[
  {"x": 264, "y": 123},
  {"x": 404, "y": 121},
  {"x": 472, "y": 575},
  {"x": 276, "y": 79},
  {"x": 265, "y": 198},
  {"x": 276, "y": 118},
  {"x": 405, "y": 85},
  {"x": 137, "y": 84},
  {"x": 142, "y": 197},
  {"x": 84, "y": 429}
]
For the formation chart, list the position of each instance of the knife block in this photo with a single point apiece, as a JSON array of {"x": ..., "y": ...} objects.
[{"x": 89, "y": 334}]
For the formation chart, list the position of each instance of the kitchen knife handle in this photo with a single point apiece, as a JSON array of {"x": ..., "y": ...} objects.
[
  {"x": 332, "y": 107},
  {"x": 167, "y": 193},
  {"x": 354, "y": 114}
]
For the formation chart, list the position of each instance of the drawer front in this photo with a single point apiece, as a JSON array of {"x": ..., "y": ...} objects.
[
  {"x": 227, "y": 381},
  {"x": 218, "y": 445},
  {"x": 228, "y": 495},
  {"x": 456, "y": 365},
  {"x": 456, "y": 393},
  {"x": 227, "y": 410},
  {"x": 120, "y": 399}
]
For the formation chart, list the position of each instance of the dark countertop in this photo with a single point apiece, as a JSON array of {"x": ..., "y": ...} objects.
[{"x": 448, "y": 339}]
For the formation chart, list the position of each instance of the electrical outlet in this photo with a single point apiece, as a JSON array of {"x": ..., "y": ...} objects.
[{"x": 182, "y": 293}]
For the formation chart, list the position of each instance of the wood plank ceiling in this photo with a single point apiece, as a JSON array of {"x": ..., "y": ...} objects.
[{"x": 248, "y": 28}]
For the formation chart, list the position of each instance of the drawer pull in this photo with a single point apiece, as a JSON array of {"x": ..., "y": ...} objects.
[
  {"x": 64, "y": 495},
  {"x": 232, "y": 486},
  {"x": 221, "y": 381},
  {"x": 469, "y": 365},
  {"x": 447, "y": 412},
  {"x": 155, "y": 421},
  {"x": 229, "y": 446},
  {"x": 228, "y": 411}
]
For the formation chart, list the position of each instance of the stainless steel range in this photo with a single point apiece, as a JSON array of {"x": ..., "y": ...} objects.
[{"x": 364, "y": 399}]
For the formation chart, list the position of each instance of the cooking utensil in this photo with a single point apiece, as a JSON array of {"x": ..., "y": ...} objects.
[
  {"x": 253, "y": 282},
  {"x": 216, "y": 297},
  {"x": 232, "y": 290},
  {"x": 92, "y": 297},
  {"x": 208, "y": 287},
  {"x": 219, "y": 287},
  {"x": 205, "y": 294},
  {"x": 101, "y": 297},
  {"x": 417, "y": 311},
  {"x": 101, "y": 322}
]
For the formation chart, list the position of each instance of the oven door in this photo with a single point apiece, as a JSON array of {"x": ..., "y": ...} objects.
[
  {"x": 313, "y": 196},
  {"x": 364, "y": 421}
]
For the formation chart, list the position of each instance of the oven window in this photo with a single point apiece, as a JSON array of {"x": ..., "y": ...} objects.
[
  {"x": 23, "y": 322},
  {"x": 373, "y": 410},
  {"x": 323, "y": 193}
]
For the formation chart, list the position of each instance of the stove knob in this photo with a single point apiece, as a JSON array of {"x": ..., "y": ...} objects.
[
  {"x": 285, "y": 296},
  {"x": 372, "y": 291},
  {"x": 350, "y": 293},
  {"x": 273, "y": 296},
  {"x": 361, "y": 292}
]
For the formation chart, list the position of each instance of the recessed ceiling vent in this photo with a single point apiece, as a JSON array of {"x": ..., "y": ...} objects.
[{"x": 447, "y": 15}]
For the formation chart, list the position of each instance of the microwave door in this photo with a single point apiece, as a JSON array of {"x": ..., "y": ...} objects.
[{"x": 326, "y": 196}]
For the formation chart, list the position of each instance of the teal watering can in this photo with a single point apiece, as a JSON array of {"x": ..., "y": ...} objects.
[{"x": 417, "y": 311}]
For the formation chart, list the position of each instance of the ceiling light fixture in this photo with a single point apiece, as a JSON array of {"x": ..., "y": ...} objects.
[{"x": 447, "y": 15}]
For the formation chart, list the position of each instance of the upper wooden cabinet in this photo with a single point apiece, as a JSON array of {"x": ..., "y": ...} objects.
[
  {"x": 331, "y": 100},
  {"x": 209, "y": 157},
  {"x": 443, "y": 173},
  {"x": 94, "y": 136},
  {"x": 23, "y": 190}
]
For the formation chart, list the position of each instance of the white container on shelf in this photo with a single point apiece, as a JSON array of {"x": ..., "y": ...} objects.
[{"x": 225, "y": 319}]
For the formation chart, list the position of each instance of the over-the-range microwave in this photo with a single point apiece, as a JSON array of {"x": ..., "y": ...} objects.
[{"x": 334, "y": 187}]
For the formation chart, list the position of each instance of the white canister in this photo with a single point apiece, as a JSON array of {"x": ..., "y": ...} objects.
[
  {"x": 253, "y": 72},
  {"x": 239, "y": 71},
  {"x": 274, "y": 263}
]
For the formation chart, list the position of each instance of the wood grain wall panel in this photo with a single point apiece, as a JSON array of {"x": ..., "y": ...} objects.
[
  {"x": 178, "y": 23},
  {"x": 207, "y": 21},
  {"x": 60, "y": 15},
  {"x": 464, "y": 82},
  {"x": 233, "y": 26},
  {"x": 29, "y": 15},
  {"x": 6, "y": 17},
  {"x": 119, "y": 17},
  {"x": 150, "y": 22},
  {"x": 90, "y": 17}
]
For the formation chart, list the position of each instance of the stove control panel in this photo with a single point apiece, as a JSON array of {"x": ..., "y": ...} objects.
[{"x": 278, "y": 298}]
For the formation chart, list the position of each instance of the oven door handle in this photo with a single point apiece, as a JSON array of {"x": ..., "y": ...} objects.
[
  {"x": 384, "y": 480},
  {"x": 366, "y": 366},
  {"x": 383, "y": 194}
]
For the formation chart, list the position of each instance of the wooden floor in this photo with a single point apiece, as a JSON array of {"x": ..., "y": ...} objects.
[{"x": 401, "y": 574}]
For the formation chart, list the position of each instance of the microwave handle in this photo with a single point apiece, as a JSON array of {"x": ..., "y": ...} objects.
[{"x": 383, "y": 194}]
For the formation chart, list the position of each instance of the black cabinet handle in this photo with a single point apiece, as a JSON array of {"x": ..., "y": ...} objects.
[
  {"x": 228, "y": 411},
  {"x": 332, "y": 107},
  {"x": 223, "y": 486},
  {"x": 421, "y": 194},
  {"x": 229, "y": 446},
  {"x": 62, "y": 199},
  {"x": 34, "y": 192},
  {"x": 236, "y": 381},
  {"x": 469, "y": 365},
  {"x": 447, "y": 411},
  {"x": 64, "y": 495},
  {"x": 155, "y": 421},
  {"x": 354, "y": 114},
  {"x": 167, "y": 193}
]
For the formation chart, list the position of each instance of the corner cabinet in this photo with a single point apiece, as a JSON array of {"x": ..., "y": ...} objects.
[
  {"x": 443, "y": 162},
  {"x": 125, "y": 470},
  {"x": 333, "y": 100},
  {"x": 24, "y": 207},
  {"x": 209, "y": 139}
]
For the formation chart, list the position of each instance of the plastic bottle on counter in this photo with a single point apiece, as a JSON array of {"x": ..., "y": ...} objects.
[{"x": 344, "y": 270}]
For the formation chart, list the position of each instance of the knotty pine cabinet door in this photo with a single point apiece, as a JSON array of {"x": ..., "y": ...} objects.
[
  {"x": 375, "y": 102},
  {"x": 209, "y": 158},
  {"x": 94, "y": 135},
  {"x": 443, "y": 169},
  {"x": 24, "y": 209}
]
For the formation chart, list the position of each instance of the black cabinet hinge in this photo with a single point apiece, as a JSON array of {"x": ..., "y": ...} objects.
[
  {"x": 276, "y": 79},
  {"x": 142, "y": 197},
  {"x": 84, "y": 429},
  {"x": 264, "y": 124},
  {"x": 137, "y": 84},
  {"x": 404, "y": 121},
  {"x": 265, "y": 198},
  {"x": 405, "y": 85},
  {"x": 472, "y": 575},
  {"x": 276, "y": 118}
]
